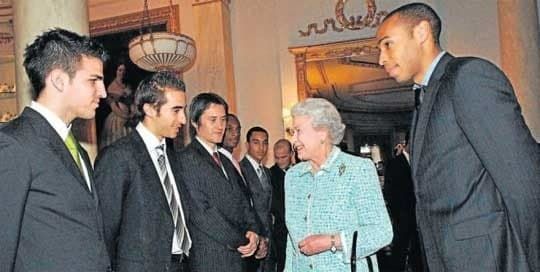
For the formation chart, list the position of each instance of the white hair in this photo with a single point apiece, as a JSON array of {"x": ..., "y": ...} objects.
[{"x": 323, "y": 115}]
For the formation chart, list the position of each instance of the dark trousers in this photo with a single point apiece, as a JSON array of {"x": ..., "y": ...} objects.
[
  {"x": 280, "y": 242},
  {"x": 179, "y": 263},
  {"x": 406, "y": 252}
]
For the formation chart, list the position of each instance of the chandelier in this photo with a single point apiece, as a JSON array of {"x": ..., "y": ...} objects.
[{"x": 159, "y": 51}]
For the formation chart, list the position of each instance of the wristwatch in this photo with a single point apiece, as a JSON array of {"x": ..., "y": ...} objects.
[{"x": 333, "y": 247}]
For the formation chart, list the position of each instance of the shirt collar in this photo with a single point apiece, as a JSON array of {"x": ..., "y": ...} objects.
[
  {"x": 150, "y": 140},
  {"x": 209, "y": 149},
  {"x": 58, "y": 125},
  {"x": 225, "y": 152},
  {"x": 253, "y": 162},
  {"x": 430, "y": 71},
  {"x": 326, "y": 166}
]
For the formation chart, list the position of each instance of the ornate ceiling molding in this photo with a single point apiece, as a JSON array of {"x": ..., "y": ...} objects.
[
  {"x": 364, "y": 47},
  {"x": 130, "y": 21},
  {"x": 372, "y": 19}
]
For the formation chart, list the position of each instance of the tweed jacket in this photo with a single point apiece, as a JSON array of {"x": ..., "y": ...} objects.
[{"x": 342, "y": 197}]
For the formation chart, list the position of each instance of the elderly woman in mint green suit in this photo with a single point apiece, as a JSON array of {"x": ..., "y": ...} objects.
[{"x": 330, "y": 195}]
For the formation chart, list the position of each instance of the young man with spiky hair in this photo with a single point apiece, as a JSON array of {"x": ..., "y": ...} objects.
[{"x": 48, "y": 204}]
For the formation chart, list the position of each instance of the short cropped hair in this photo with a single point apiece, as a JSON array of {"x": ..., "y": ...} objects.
[
  {"x": 283, "y": 143},
  {"x": 233, "y": 116},
  {"x": 414, "y": 13},
  {"x": 323, "y": 114},
  {"x": 151, "y": 91},
  {"x": 58, "y": 49},
  {"x": 201, "y": 102},
  {"x": 255, "y": 129}
]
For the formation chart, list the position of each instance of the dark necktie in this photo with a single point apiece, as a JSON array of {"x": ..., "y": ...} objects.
[
  {"x": 215, "y": 156},
  {"x": 419, "y": 96},
  {"x": 183, "y": 240}
]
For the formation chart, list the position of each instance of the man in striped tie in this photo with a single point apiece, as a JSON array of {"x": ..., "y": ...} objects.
[{"x": 143, "y": 199}]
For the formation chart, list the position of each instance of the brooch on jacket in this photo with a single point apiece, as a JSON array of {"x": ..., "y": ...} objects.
[{"x": 342, "y": 169}]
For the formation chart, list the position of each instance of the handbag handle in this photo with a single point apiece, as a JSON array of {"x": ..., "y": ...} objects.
[
  {"x": 353, "y": 255},
  {"x": 353, "y": 252}
]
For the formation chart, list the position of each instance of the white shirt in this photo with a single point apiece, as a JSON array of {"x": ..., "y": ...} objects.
[
  {"x": 63, "y": 130},
  {"x": 229, "y": 156},
  {"x": 151, "y": 142},
  {"x": 406, "y": 154}
]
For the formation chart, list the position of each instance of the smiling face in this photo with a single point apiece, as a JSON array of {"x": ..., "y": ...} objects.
[
  {"x": 232, "y": 133},
  {"x": 308, "y": 141},
  {"x": 401, "y": 53},
  {"x": 212, "y": 124},
  {"x": 167, "y": 121},
  {"x": 81, "y": 94}
]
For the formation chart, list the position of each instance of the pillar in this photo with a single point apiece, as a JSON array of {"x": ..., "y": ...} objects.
[
  {"x": 213, "y": 69},
  {"x": 520, "y": 58}
]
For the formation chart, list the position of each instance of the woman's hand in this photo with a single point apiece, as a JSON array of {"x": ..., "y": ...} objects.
[{"x": 317, "y": 243}]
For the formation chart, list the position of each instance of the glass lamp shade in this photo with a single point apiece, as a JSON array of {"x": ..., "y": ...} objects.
[{"x": 162, "y": 51}]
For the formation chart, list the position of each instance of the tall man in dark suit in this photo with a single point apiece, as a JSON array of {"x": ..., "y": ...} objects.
[
  {"x": 283, "y": 155},
  {"x": 475, "y": 165},
  {"x": 258, "y": 178},
  {"x": 222, "y": 224},
  {"x": 48, "y": 205},
  {"x": 399, "y": 194},
  {"x": 144, "y": 201}
]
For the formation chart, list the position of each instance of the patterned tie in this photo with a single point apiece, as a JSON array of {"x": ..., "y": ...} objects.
[
  {"x": 263, "y": 178},
  {"x": 183, "y": 240},
  {"x": 72, "y": 145}
]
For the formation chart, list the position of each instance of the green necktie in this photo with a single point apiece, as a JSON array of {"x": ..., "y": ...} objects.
[{"x": 71, "y": 144}]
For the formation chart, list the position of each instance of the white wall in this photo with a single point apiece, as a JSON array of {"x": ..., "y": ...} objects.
[
  {"x": 256, "y": 67},
  {"x": 470, "y": 28}
]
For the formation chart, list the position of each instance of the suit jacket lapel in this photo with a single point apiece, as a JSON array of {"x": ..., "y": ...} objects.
[
  {"x": 426, "y": 108},
  {"x": 89, "y": 169},
  {"x": 148, "y": 170},
  {"x": 208, "y": 158},
  {"x": 179, "y": 182},
  {"x": 50, "y": 138}
]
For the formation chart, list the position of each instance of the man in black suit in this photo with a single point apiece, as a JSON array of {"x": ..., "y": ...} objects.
[
  {"x": 258, "y": 178},
  {"x": 283, "y": 155},
  {"x": 474, "y": 162},
  {"x": 223, "y": 226},
  {"x": 231, "y": 139},
  {"x": 48, "y": 205},
  {"x": 399, "y": 194},
  {"x": 144, "y": 201}
]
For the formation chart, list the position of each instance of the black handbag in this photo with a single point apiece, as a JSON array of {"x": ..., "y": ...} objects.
[{"x": 353, "y": 255}]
